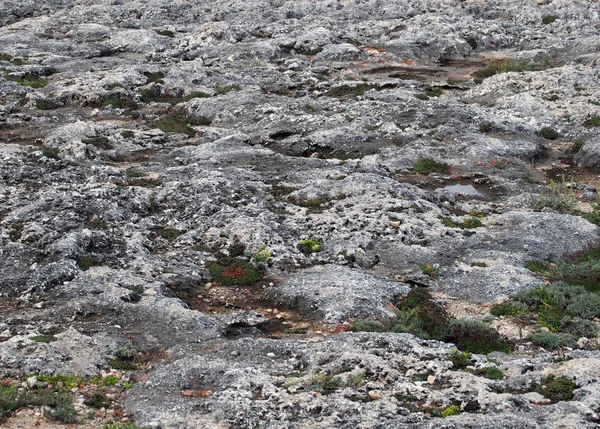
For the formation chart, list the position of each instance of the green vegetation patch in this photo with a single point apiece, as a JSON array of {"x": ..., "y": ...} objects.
[
  {"x": 43, "y": 338},
  {"x": 97, "y": 400},
  {"x": 469, "y": 223},
  {"x": 169, "y": 234},
  {"x": 310, "y": 245},
  {"x": 568, "y": 306},
  {"x": 472, "y": 41},
  {"x": 101, "y": 142},
  {"x": 557, "y": 388},
  {"x": 593, "y": 122},
  {"x": 87, "y": 262},
  {"x": 420, "y": 315},
  {"x": 49, "y": 152},
  {"x": 117, "y": 102},
  {"x": 548, "y": 133},
  {"x": 172, "y": 123},
  {"x": 427, "y": 166},
  {"x": 513, "y": 308},
  {"x": 505, "y": 66},
  {"x": 196, "y": 94},
  {"x": 27, "y": 79},
  {"x": 235, "y": 271},
  {"x": 57, "y": 404},
  {"x": 157, "y": 77},
  {"x": 548, "y": 19},
  {"x": 155, "y": 95}
]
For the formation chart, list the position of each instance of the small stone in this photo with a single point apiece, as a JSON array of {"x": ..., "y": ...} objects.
[
  {"x": 32, "y": 382},
  {"x": 275, "y": 311},
  {"x": 374, "y": 395},
  {"x": 235, "y": 353},
  {"x": 188, "y": 393},
  {"x": 205, "y": 393},
  {"x": 431, "y": 379},
  {"x": 270, "y": 354}
]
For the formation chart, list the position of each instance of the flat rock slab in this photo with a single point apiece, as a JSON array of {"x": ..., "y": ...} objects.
[{"x": 337, "y": 293}]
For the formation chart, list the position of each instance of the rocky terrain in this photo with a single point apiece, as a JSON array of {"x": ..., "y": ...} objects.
[{"x": 243, "y": 214}]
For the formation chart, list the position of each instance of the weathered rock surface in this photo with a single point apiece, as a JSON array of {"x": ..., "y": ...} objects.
[{"x": 143, "y": 143}]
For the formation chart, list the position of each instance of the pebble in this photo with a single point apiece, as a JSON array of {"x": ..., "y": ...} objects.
[
  {"x": 188, "y": 393},
  {"x": 234, "y": 353},
  {"x": 271, "y": 354}
]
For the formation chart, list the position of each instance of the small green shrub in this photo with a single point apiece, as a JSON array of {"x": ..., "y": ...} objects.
[
  {"x": 123, "y": 366},
  {"x": 560, "y": 199},
  {"x": 368, "y": 325},
  {"x": 557, "y": 388},
  {"x": 452, "y": 410},
  {"x": 326, "y": 383},
  {"x": 154, "y": 77},
  {"x": 550, "y": 340},
  {"x": 492, "y": 373},
  {"x": 169, "y": 234},
  {"x": 43, "y": 104},
  {"x": 549, "y": 133},
  {"x": 310, "y": 245},
  {"x": 155, "y": 95},
  {"x": 174, "y": 124},
  {"x": 135, "y": 173},
  {"x": 121, "y": 103},
  {"x": 469, "y": 223},
  {"x": 43, "y": 338},
  {"x": 49, "y": 152},
  {"x": 460, "y": 360},
  {"x": 101, "y": 142},
  {"x": 87, "y": 262},
  {"x": 506, "y": 66},
  {"x": 476, "y": 337},
  {"x": 472, "y": 41},
  {"x": 110, "y": 380},
  {"x": 548, "y": 19},
  {"x": 579, "y": 327},
  {"x": 576, "y": 147},
  {"x": 27, "y": 79},
  {"x": 236, "y": 271},
  {"x": 429, "y": 270},
  {"x": 196, "y": 94},
  {"x": 422, "y": 96},
  {"x": 594, "y": 121},
  {"x": 127, "y": 134},
  {"x": 537, "y": 266},
  {"x": 513, "y": 308},
  {"x": 63, "y": 413},
  {"x": 262, "y": 255},
  {"x": 97, "y": 400},
  {"x": 427, "y": 166}
]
